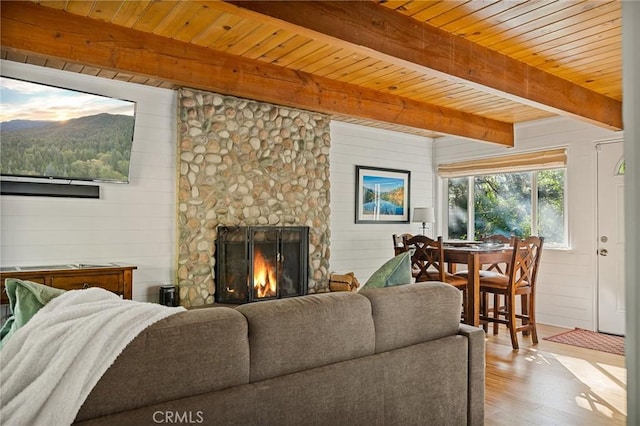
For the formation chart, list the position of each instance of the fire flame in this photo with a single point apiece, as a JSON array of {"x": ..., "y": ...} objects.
[{"x": 264, "y": 277}]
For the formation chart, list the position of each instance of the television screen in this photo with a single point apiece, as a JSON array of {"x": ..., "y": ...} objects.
[{"x": 55, "y": 133}]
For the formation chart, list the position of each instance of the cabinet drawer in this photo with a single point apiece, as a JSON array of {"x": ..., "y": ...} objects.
[{"x": 111, "y": 282}]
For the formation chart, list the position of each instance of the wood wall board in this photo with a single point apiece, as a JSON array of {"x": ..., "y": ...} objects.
[
  {"x": 541, "y": 48},
  {"x": 553, "y": 22},
  {"x": 435, "y": 11},
  {"x": 16, "y": 56},
  {"x": 328, "y": 63},
  {"x": 561, "y": 48},
  {"x": 492, "y": 24},
  {"x": 410, "y": 84},
  {"x": 606, "y": 57},
  {"x": 56, "y": 4},
  {"x": 176, "y": 19},
  {"x": 410, "y": 8},
  {"x": 78, "y": 7},
  {"x": 35, "y": 60},
  {"x": 130, "y": 12},
  {"x": 387, "y": 79},
  {"x": 305, "y": 49},
  {"x": 90, "y": 71},
  {"x": 387, "y": 83},
  {"x": 545, "y": 47},
  {"x": 33, "y": 27},
  {"x": 350, "y": 22},
  {"x": 139, "y": 79},
  {"x": 516, "y": 24},
  {"x": 454, "y": 14},
  {"x": 286, "y": 47},
  {"x": 267, "y": 45},
  {"x": 253, "y": 37},
  {"x": 107, "y": 74},
  {"x": 55, "y": 63},
  {"x": 104, "y": 10},
  {"x": 376, "y": 70},
  {"x": 230, "y": 37},
  {"x": 337, "y": 64},
  {"x": 478, "y": 14},
  {"x": 221, "y": 25},
  {"x": 313, "y": 57},
  {"x": 547, "y": 39},
  {"x": 73, "y": 67},
  {"x": 189, "y": 22},
  {"x": 121, "y": 76},
  {"x": 153, "y": 15},
  {"x": 385, "y": 126},
  {"x": 353, "y": 69}
]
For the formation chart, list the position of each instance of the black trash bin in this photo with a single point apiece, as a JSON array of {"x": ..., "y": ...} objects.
[{"x": 168, "y": 295}]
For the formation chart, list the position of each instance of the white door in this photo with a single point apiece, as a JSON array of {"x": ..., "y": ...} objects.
[{"x": 611, "y": 308}]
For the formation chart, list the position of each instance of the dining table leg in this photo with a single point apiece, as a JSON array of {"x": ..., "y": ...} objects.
[{"x": 472, "y": 314}]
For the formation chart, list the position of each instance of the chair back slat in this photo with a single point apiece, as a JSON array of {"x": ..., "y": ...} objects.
[
  {"x": 428, "y": 254},
  {"x": 398, "y": 243},
  {"x": 525, "y": 262}
]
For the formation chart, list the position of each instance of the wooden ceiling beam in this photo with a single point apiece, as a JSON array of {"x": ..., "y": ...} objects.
[
  {"x": 31, "y": 28},
  {"x": 390, "y": 36}
]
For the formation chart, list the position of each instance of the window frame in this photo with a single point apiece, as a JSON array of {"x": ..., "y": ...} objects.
[{"x": 565, "y": 245}]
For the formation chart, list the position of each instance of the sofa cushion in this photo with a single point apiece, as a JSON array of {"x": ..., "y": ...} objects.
[
  {"x": 296, "y": 334},
  {"x": 396, "y": 271},
  {"x": 192, "y": 352},
  {"x": 414, "y": 313}
]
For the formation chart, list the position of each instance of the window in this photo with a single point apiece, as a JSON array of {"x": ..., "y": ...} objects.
[{"x": 510, "y": 203}]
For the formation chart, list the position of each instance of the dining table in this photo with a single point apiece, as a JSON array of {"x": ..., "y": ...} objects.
[{"x": 474, "y": 255}]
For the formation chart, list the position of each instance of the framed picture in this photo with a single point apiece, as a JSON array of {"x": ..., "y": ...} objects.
[{"x": 382, "y": 195}]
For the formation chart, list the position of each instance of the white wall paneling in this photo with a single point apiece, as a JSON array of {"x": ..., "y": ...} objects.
[
  {"x": 362, "y": 248},
  {"x": 131, "y": 223}
]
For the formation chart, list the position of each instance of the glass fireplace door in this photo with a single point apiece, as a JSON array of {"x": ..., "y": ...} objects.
[{"x": 261, "y": 263}]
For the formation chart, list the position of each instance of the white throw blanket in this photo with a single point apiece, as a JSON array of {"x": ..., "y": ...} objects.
[{"x": 49, "y": 366}]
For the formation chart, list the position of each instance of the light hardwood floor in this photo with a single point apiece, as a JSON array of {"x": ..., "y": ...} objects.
[{"x": 552, "y": 383}]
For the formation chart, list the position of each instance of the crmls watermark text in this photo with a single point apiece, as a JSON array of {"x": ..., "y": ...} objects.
[{"x": 178, "y": 417}]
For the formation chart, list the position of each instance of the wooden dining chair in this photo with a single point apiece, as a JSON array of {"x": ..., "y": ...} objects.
[
  {"x": 427, "y": 263},
  {"x": 492, "y": 270},
  {"x": 398, "y": 243},
  {"x": 519, "y": 281}
]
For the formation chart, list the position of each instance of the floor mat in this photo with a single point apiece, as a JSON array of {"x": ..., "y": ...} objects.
[{"x": 590, "y": 340}]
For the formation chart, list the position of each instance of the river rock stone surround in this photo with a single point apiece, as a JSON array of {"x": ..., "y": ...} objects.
[{"x": 244, "y": 162}]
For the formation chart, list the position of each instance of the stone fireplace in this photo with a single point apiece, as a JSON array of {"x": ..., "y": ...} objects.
[
  {"x": 255, "y": 263},
  {"x": 247, "y": 163}
]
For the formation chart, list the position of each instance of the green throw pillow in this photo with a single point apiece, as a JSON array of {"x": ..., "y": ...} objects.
[
  {"x": 395, "y": 271},
  {"x": 25, "y": 299}
]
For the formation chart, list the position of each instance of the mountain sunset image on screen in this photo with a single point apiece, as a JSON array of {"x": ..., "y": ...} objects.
[{"x": 55, "y": 133}]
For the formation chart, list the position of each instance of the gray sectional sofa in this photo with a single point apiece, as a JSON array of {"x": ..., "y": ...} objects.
[{"x": 388, "y": 356}]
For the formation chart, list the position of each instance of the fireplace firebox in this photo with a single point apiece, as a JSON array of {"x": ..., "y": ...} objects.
[{"x": 255, "y": 263}]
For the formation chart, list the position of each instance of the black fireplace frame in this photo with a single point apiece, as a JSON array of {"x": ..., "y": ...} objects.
[{"x": 248, "y": 242}]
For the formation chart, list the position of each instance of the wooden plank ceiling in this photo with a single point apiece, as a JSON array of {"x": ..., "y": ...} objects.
[{"x": 467, "y": 68}]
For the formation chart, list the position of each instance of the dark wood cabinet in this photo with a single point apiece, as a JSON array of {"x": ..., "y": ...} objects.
[{"x": 114, "y": 277}]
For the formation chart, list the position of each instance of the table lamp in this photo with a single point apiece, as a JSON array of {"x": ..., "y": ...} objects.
[{"x": 424, "y": 215}]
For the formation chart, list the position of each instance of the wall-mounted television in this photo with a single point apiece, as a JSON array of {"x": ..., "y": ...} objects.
[{"x": 56, "y": 133}]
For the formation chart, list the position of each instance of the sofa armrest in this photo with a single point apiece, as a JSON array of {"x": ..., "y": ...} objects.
[{"x": 476, "y": 377}]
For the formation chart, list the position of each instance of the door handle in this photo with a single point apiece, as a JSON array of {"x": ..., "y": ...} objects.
[{"x": 603, "y": 252}]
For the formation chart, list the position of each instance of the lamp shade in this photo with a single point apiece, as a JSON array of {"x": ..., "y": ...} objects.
[{"x": 424, "y": 214}]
